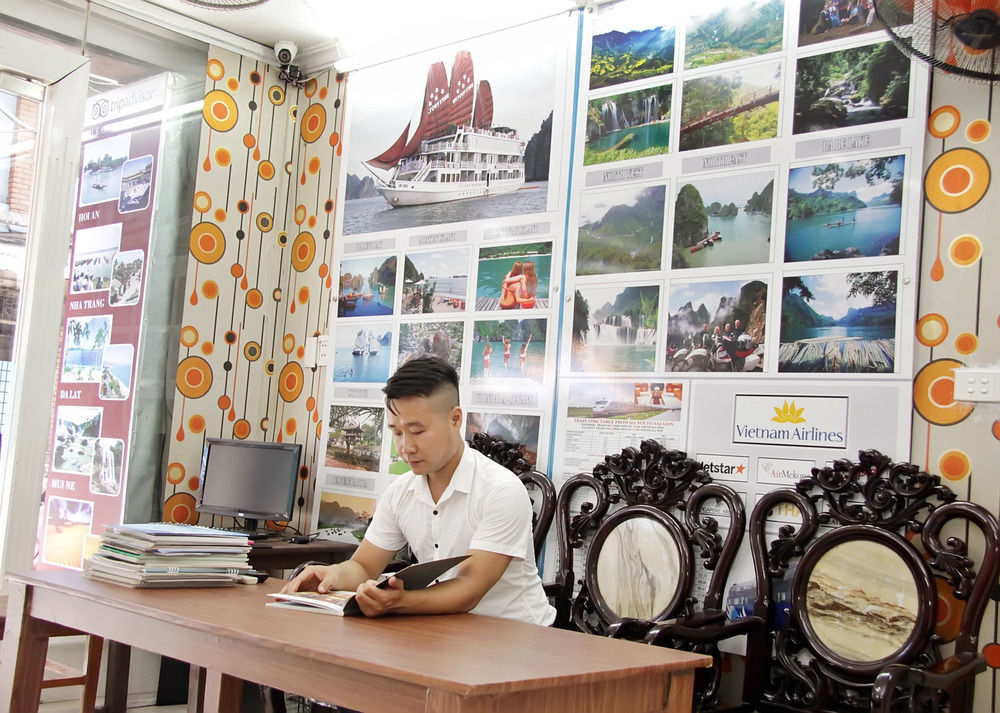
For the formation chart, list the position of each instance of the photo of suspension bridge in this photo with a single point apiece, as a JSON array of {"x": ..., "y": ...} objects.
[
  {"x": 626, "y": 126},
  {"x": 731, "y": 107}
]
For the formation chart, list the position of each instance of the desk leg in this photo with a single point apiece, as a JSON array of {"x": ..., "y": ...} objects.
[
  {"x": 681, "y": 695},
  {"x": 196, "y": 690},
  {"x": 25, "y": 646},
  {"x": 116, "y": 678},
  {"x": 223, "y": 693}
]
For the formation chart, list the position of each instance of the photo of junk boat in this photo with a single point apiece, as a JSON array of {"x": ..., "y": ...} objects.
[{"x": 453, "y": 153}]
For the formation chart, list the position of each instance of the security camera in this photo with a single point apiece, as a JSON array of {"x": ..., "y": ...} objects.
[{"x": 285, "y": 51}]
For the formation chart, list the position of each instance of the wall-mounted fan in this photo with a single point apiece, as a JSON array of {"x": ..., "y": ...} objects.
[
  {"x": 960, "y": 37},
  {"x": 225, "y": 4}
]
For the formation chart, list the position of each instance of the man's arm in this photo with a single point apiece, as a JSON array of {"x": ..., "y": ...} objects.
[
  {"x": 365, "y": 564},
  {"x": 475, "y": 577}
]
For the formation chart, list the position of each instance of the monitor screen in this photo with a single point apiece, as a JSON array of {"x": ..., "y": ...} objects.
[{"x": 251, "y": 480}]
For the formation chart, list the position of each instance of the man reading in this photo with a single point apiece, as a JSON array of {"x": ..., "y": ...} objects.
[{"x": 453, "y": 501}]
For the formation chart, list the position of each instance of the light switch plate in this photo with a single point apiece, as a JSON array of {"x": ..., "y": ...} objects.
[{"x": 977, "y": 384}]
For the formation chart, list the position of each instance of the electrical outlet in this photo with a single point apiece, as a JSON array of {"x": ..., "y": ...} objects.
[
  {"x": 322, "y": 349},
  {"x": 977, "y": 384}
]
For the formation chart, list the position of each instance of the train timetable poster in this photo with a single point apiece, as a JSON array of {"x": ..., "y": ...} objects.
[
  {"x": 85, "y": 483},
  {"x": 742, "y": 239},
  {"x": 449, "y": 242}
]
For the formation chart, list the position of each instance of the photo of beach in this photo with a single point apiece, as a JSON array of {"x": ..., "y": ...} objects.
[
  {"x": 629, "y": 43},
  {"x": 508, "y": 353},
  {"x": 436, "y": 281},
  {"x": 723, "y": 221},
  {"x": 116, "y": 372},
  {"x": 630, "y": 125},
  {"x": 718, "y": 325},
  {"x": 621, "y": 230},
  {"x": 440, "y": 339},
  {"x": 823, "y": 20},
  {"x": 367, "y": 286},
  {"x": 614, "y": 328},
  {"x": 101, "y": 168},
  {"x": 354, "y": 440},
  {"x": 362, "y": 355},
  {"x": 839, "y": 323},
  {"x": 83, "y": 351},
  {"x": 736, "y": 30},
  {"x": 851, "y": 87},
  {"x": 394, "y": 180},
  {"x": 734, "y": 106},
  {"x": 626, "y": 401},
  {"x": 513, "y": 277},
  {"x": 518, "y": 429},
  {"x": 93, "y": 252},
  {"x": 844, "y": 210}
]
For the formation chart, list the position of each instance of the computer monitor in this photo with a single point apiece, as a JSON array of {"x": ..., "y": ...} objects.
[{"x": 250, "y": 480}]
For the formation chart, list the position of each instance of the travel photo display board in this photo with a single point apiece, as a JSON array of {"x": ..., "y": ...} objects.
[{"x": 716, "y": 206}]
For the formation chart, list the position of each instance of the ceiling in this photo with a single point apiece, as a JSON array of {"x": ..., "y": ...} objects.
[{"x": 386, "y": 28}]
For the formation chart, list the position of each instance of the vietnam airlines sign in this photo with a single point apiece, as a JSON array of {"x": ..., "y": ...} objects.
[{"x": 783, "y": 420}]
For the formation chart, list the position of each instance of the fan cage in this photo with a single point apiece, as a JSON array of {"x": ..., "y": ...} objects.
[
  {"x": 897, "y": 21},
  {"x": 225, "y": 4}
]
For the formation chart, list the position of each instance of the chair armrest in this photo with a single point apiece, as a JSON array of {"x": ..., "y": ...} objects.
[
  {"x": 945, "y": 675},
  {"x": 707, "y": 631}
]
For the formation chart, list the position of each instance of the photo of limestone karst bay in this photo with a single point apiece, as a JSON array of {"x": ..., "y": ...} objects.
[
  {"x": 736, "y": 31},
  {"x": 731, "y": 107},
  {"x": 367, "y": 286},
  {"x": 723, "y": 221},
  {"x": 839, "y": 323},
  {"x": 620, "y": 230},
  {"x": 851, "y": 87},
  {"x": 627, "y": 44},
  {"x": 626, "y": 126},
  {"x": 347, "y": 514},
  {"x": 844, "y": 210}
]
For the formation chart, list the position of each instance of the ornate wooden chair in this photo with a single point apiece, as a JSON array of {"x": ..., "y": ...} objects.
[
  {"x": 540, "y": 488},
  {"x": 642, "y": 526},
  {"x": 886, "y": 595}
]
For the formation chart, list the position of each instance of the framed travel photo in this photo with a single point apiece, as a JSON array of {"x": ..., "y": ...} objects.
[
  {"x": 851, "y": 87},
  {"x": 737, "y": 29},
  {"x": 839, "y": 323},
  {"x": 723, "y": 221},
  {"x": 846, "y": 209},
  {"x": 615, "y": 328},
  {"x": 631, "y": 41},
  {"x": 630, "y": 125},
  {"x": 731, "y": 106},
  {"x": 620, "y": 230}
]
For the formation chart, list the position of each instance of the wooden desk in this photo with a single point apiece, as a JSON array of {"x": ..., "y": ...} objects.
[{"x": 459, "y": 663}]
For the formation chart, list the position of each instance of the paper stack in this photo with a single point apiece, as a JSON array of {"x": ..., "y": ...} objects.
[{"x": 170, "y": 555}]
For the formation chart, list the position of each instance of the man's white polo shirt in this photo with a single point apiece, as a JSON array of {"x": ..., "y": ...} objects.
[{"x": 484, "y": 507}]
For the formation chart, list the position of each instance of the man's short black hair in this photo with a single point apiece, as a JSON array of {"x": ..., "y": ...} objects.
[{"x": 422, "y": 376}]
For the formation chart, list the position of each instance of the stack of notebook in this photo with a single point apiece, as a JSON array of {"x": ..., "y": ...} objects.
[{"x": 170, "y": 555}]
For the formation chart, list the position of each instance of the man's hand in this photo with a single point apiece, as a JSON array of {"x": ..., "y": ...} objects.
[
  {"x": 377, "y": 602},
  {"x": 321, "y": 578}
]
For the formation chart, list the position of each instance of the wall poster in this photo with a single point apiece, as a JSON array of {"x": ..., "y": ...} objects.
[
  {"x": 743, "y": 234},
  {"x": 84, "y": 487},
  {"x": 448, "y": 241}
]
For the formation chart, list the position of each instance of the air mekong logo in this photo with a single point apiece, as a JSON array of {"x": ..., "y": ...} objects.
[{"x": 817, "y": 421}]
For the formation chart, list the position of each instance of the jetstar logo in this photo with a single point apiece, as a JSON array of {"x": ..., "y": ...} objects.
[{"x": 725, "y": 467}]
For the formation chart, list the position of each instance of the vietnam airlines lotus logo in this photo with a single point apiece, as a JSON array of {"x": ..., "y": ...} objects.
[{"x": 788, "y": 413}]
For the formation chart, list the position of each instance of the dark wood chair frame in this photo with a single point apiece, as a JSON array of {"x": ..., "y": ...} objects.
[
  {"x": 671, "y": 489},
  {"x": 893, "y": 504},
  {"x": 509, "y": 456}
]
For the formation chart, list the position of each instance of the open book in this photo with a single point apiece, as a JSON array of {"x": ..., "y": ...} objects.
[{"x": 342, "y": 603}]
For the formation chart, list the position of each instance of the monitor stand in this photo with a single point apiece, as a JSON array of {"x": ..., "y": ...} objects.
[{"x": 251, "y": 526}]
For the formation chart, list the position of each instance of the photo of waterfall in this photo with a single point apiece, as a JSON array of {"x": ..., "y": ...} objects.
[
  {"x": 630, "y": 125},
  {"x": 614, "y": 328}
]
